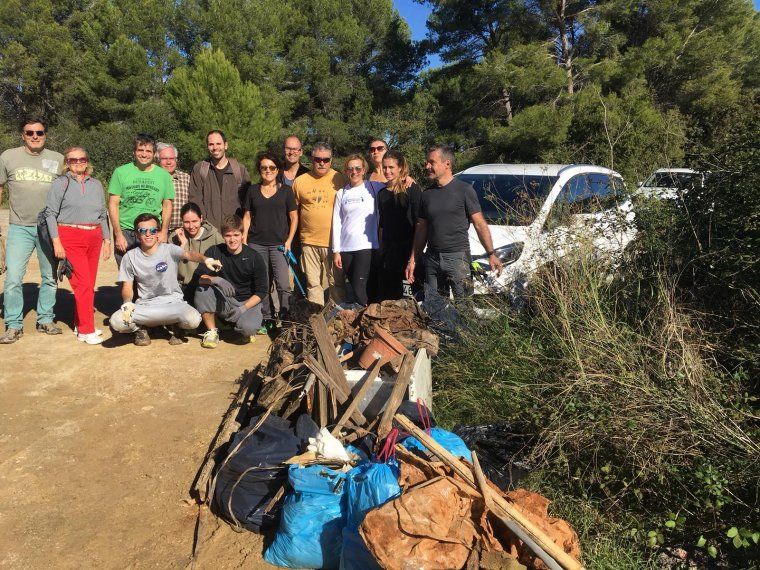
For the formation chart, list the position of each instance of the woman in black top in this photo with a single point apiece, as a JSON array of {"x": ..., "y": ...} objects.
[
  {"x": 270, "y": 220},
  {"x": 399, "y": 206}
]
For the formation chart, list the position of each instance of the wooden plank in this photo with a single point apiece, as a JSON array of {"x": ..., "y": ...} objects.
[
  {"x": 326, "y": 379},
  {"x": 322, "y": 391},
  {"x": 327, "y": 351},
  {"x": 397, "y": 395},
  {"x": 359, "y": 396},
  {"x": 501, "y": 506}
]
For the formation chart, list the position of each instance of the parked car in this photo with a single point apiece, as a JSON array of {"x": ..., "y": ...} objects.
[
  {"x": 670, "y": 183},
  {"x": 538, "y": 213}
]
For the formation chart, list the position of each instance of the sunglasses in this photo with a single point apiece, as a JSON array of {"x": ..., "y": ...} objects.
[
  {"x": 31, "y": 133},
  {"x": 267, "y": 168},
  {"x": 354, "y": 168},
  {"x": 147, "y": 231},
  {"x": 81, "y": 160},
  {"x": 376, "y": 148},
  {"x": 291, "y": 149},
  {"x": 321, "y": 160}
]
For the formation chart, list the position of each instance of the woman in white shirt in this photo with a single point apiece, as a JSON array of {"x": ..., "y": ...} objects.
[{"x": 354, "y": 226}]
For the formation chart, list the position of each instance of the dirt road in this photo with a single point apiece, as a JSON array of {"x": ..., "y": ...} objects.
[{"x": 100, "y": 444}]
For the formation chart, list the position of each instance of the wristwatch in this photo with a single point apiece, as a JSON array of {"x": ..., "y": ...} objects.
[{"x": 490, "y": 253}]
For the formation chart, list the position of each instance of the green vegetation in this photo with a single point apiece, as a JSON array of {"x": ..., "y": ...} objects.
[
  {"x": 630, "y": 85},
  {"x": 638, "y": 394}
]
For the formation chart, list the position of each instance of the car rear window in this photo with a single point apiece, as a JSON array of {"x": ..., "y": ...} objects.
[
  {"x": 510, "y": 199},
  {"x": 680, "y": 180}
]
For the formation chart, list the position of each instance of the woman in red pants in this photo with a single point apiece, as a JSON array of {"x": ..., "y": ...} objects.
[{"x": 78, "y": 224}]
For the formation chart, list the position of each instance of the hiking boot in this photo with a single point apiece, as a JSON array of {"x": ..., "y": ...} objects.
[
  {"x": 49, "y": 328},
  {"x": 176, "y": 335},
  {"x": 11, "y": 336},
  {"x": 210, "y": 338},
  {"x": 142, "y": 338}
]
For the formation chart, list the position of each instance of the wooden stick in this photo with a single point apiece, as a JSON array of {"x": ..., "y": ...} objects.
[
  {"x": 501, "y": 507},
  {"x": 510, "y": 524},
  {"x": 397, "y": 394},
  {"x": 327, "y": 380},
  {"x": 322, "y": 395},
  {"x": 368, "y": 382},
  {"x": 228, "y": 427}
]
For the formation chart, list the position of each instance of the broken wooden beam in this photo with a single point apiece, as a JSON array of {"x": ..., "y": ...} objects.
[
  {"x": 341, "y": 394},
  {"x": 358, "y": 397},
  {"x": 397, "y": 394}
]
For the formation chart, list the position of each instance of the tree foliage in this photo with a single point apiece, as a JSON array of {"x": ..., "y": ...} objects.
[{"x": 624, "y": 83}]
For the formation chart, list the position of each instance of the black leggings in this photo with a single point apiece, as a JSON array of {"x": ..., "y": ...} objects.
[{"x": 356, "y": 266}]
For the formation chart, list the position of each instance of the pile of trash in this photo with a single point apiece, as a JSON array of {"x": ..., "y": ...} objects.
[{"x": 335, "y": 451}]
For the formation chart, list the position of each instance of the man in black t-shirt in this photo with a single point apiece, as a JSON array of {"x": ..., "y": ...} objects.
[
  {"x": 235, "y": 293},
  {"x": 446, "y": 211}
]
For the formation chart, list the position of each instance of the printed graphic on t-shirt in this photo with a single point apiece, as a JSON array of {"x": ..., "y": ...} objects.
[
  {"x": 162, "y": 267},
  {"x": 34, "y": 174},
  {"x": 141, "y": 192}
]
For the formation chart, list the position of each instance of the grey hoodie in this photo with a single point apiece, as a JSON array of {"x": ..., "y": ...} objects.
[{"x": 209, "y": 237}]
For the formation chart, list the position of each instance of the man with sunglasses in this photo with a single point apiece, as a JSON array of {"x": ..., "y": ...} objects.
[
  {"x": 27, "y": 171},
  {"x": 136, "y": 187},
  {"x": 315, "y": 195},
  {"x": 153, "y": 266}
]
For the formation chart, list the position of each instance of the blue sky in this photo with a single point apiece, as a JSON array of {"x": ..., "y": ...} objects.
[{"x": 416, "y": 16}]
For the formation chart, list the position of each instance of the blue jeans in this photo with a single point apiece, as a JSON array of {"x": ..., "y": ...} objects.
[{"x": 22, "y": 241}]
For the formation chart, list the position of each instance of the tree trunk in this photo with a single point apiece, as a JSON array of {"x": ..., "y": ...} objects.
[
  {"x": 566, "y": 55},
  {"x": 506, "y": 101}
]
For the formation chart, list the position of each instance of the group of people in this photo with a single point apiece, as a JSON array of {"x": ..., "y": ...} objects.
[{"x": 194, "y": 247}]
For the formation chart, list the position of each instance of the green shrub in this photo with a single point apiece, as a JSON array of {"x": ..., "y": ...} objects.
[{"x": 627, "y": 407}]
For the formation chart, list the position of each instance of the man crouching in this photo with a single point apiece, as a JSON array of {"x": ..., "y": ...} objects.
[
  {"x": 235, "y": 293},
  {"x": 160, "y": 302}
]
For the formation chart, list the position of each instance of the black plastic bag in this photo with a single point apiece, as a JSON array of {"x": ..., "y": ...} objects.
[{"x": 252, "y": 475}]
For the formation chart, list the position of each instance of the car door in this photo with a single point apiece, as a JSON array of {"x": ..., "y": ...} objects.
[{"x": 586, "y": 213}]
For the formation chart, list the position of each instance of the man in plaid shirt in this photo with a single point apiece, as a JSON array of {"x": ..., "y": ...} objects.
[{"x": 167, "y": 158}]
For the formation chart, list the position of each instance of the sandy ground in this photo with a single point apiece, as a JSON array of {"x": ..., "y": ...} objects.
[{"x": 99, "y": 445}]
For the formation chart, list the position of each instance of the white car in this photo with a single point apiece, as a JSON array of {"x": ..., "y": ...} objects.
[
  {"x": 540, "y": 212},
  {"x": 669, "y": 183}
]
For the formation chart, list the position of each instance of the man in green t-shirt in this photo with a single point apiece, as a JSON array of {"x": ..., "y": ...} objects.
[
  {"x": 27, "y": 172},
  {"x": 139, "y": 187}
]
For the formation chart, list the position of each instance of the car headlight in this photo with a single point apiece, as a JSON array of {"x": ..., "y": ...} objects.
[{"x": 507, "y": 254}]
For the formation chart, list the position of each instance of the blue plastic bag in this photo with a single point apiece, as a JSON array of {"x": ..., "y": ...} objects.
[
  {"x": 368, "y": 486},
  {"x": 313, "y": 517},
  {"x": 448, "y": 440}
]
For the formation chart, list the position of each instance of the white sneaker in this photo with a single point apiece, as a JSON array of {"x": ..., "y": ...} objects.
[
  {"x": 98, "y": 332},
  {"x": 92, "y": 338}
]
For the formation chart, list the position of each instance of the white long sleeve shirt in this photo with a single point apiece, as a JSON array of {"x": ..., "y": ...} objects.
[{"x": 355, "y": 217}]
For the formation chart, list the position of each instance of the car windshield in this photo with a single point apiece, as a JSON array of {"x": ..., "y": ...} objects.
[
  {"x": 510, "y": 199},
  {"x": 680, "y": 180}
]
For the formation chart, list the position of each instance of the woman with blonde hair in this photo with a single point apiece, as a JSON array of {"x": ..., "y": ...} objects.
[
  {"x": 78, "y": 224},
  {"x": 398, "y": 207},
  {"x": 355, "y": 226}
]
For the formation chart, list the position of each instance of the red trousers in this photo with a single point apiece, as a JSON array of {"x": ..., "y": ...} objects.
[{"x": 83, "y": 251}]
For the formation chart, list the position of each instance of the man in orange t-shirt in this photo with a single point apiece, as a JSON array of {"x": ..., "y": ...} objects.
[{"x": 315, "y": 195}]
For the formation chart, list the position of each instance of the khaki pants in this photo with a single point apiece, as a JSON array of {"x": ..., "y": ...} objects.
[{"x": 321, "y": 274}]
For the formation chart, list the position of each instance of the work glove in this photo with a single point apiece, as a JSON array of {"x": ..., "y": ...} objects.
[
  {"x": 212, "y": 264},
  {"x": 239, "y": 310},
  {"x": 326, "y": 446},
  {"x": 126, "y": 312},
  {"x": 227, "y": 289}
]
